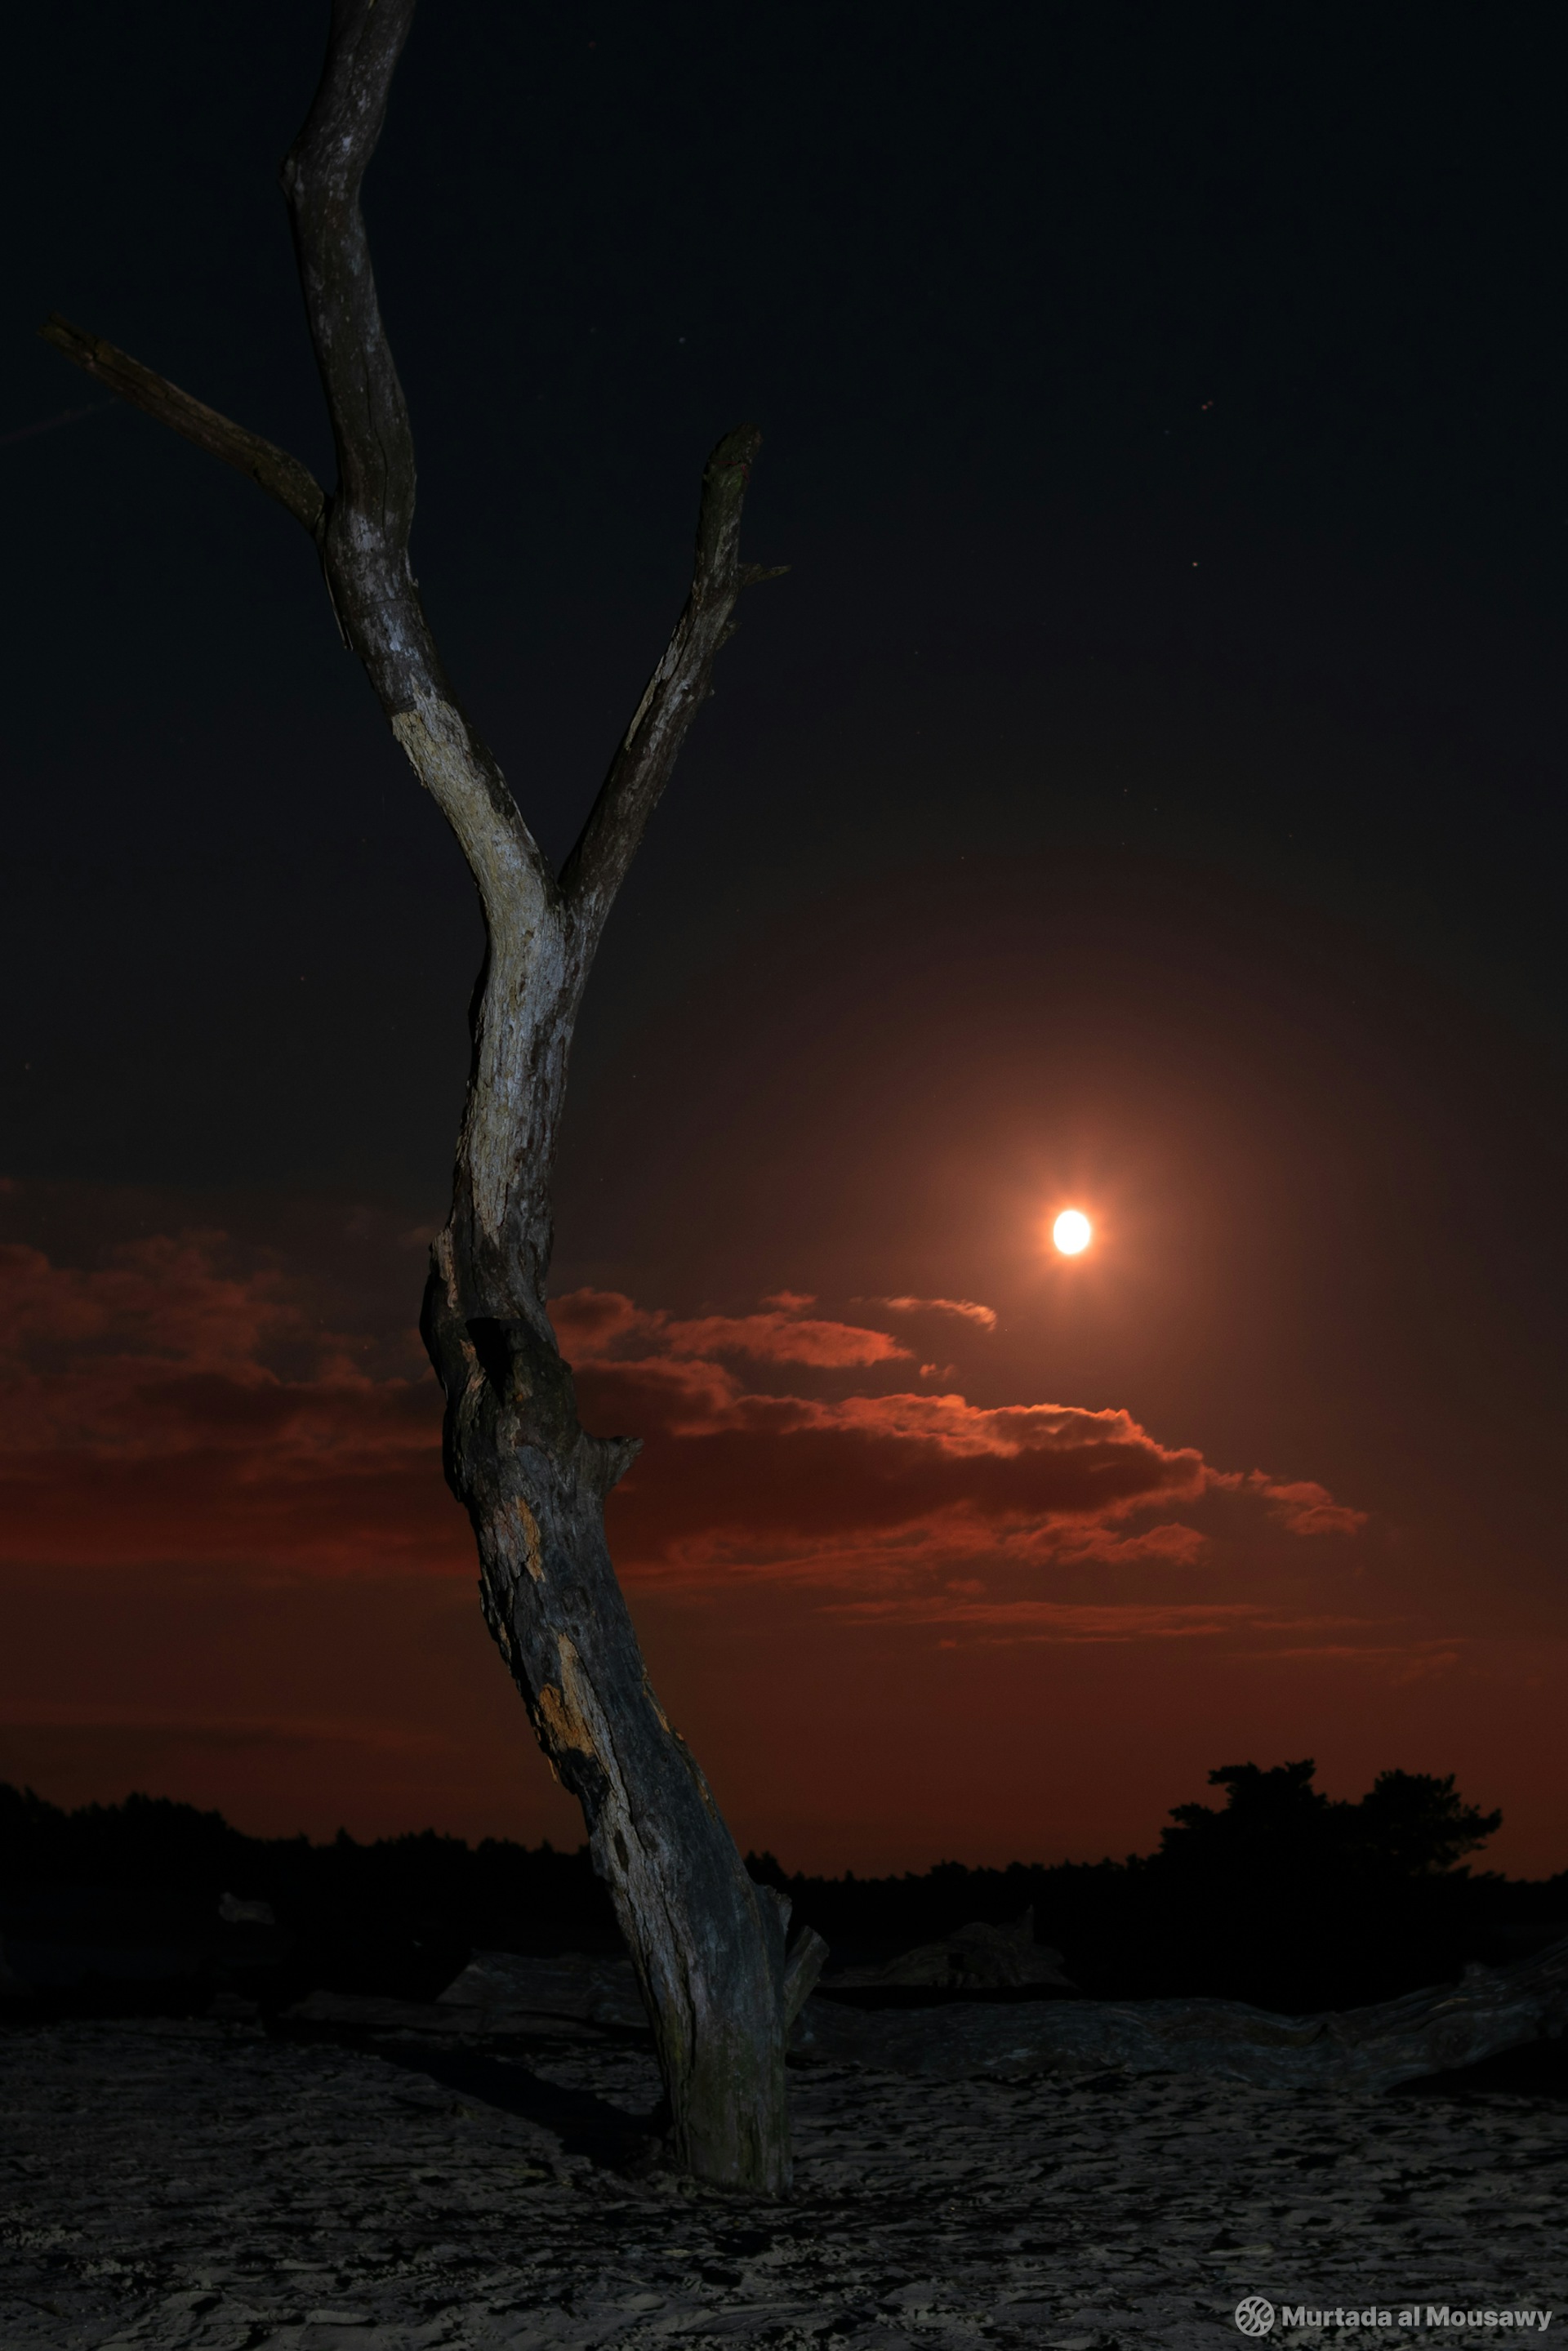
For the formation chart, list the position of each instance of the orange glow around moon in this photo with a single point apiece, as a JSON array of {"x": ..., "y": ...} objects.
[{"x": 1071, "y": 1232}]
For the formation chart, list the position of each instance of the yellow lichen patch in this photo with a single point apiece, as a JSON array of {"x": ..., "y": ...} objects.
[
  {"x": 579, "y": 1692},
  {"x": 533, "y": 1551},
  {"x": 564, "y": 1724}
]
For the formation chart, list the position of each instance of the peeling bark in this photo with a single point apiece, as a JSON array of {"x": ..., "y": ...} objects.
[{"x": 707, "y": 1944}]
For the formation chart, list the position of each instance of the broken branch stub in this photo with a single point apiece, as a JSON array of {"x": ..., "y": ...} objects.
[{"x": 272, "y": 469}]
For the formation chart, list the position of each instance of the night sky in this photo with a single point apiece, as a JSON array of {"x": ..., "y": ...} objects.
[{"x": 1143, "y": 793}]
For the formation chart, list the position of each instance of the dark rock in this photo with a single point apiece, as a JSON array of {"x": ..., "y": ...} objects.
[
  {"x": 597, "y": 1991},
  {"x": 976, "y": 1958},
  {"x": 234, "y": 1912}
]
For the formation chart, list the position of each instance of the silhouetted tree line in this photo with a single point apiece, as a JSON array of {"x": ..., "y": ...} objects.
[
  {"x": 398, "y": 1915},
  {"x": 151, "y": 1842},
  {"x": 1283, "y": 1895}
]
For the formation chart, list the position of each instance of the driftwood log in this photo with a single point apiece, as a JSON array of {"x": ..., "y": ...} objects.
[
  {"x": 980, "y": 1957},
  {"x": 707, "y": 1946},
  {"x": 1428, "y": 2032}
]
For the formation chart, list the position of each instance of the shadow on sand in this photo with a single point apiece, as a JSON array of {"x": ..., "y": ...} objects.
[{"x": 608, "y": 2136}]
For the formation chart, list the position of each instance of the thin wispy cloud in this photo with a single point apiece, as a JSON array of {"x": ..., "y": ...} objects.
[{"x": 967, "y": 1309}]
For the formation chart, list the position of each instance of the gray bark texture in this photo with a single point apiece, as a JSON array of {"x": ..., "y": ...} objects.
[{"x": 707, "y": 1944}]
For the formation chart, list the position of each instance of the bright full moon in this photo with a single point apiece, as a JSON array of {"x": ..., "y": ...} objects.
[{"x": 1071, "y": 1232}]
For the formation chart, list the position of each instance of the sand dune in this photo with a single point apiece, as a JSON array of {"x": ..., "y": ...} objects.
[{"x": 200, "y": 2186}]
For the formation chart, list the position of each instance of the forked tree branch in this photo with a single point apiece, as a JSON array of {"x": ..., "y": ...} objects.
[
  {"x": 272, "y": 469},
  {"x": 363, "y": 528},
  {"x": 365, "y": 543},
  {"x": 675, "y": 693}
]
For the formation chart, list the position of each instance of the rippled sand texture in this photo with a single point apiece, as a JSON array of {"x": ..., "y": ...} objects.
[{"x": 197, "y": 2185}]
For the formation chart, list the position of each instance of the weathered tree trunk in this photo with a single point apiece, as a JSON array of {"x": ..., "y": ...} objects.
[{"x": 706, "y": 1943}]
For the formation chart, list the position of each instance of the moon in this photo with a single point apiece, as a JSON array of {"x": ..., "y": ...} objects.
[{"x": 1071, "y": 1232}]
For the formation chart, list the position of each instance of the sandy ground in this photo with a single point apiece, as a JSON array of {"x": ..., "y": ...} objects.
[{"x": 196, "y": 2184}]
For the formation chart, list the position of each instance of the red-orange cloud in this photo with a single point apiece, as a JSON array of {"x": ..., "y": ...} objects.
[
  {"x": 858, "y": 1489},
  {"x": 1306, "y": 1507},
  {"x": 588, "y": 1322},
  {"x": 142, "y": 1420},
  {"x": 968, "y": 1309},
  {"x": 172, "y": 1406},
  {"x": 793, "y": 1470}
]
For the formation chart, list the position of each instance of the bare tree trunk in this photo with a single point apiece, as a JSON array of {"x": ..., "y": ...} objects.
[{"x": 708, "y": 1944}]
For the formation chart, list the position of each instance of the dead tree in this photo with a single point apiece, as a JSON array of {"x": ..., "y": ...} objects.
[{"x": 708, "y": 1944}]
